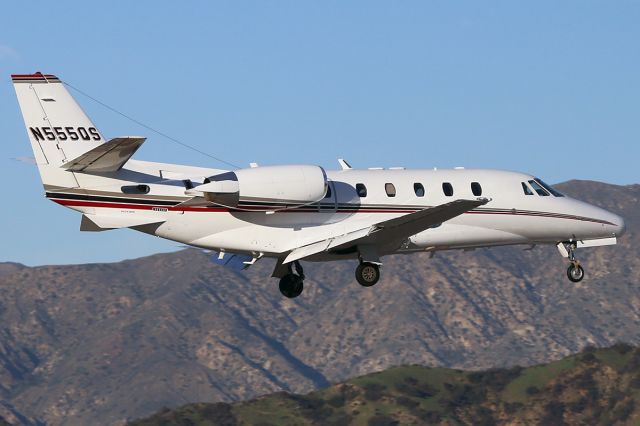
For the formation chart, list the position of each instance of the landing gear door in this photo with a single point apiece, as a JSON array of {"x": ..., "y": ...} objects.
[{"x": 328, "y": 204}]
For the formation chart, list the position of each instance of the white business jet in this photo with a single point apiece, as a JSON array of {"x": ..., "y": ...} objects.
[{"x": 295, "y": 212}]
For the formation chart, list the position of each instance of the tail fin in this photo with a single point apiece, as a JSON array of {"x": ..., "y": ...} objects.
[{"x": 57, "y": 127}]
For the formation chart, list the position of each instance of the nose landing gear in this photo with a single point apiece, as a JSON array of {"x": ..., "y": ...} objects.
[
  {"x": 291, "y": 285},
  {"x": 575, "y": 272}
]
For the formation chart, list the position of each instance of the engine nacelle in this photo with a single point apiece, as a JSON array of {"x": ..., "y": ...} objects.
[{"x": 288, "y": 186}]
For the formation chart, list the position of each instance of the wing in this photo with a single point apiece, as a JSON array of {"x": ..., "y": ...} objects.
[
  {"x": 389, "y": 231},
  {"x": 107, "y": 157}
]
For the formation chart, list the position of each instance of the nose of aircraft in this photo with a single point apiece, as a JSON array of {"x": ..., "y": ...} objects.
[
  {"x": 613, "y": 224},
  {"x": 616, "y": 223},
  {"x": 619, "y": 224}
]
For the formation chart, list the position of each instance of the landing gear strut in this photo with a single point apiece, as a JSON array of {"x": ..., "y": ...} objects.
[
  {"x": 291, "y": 285},
  {"x": 367, "y": 274},
  {"x": 575, "y": 272}
]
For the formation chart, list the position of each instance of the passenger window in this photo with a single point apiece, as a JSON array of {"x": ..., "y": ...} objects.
[
  {"x": 390, "y": 189},
  {"x": 447, "y": 189},
  {"x": 418, "y": 189},
  {"x": 328, "y": 194},
  {"x": 540, "y": 190},
  {"x": 526, "y": 189},
  {"x": 361, "y": 190},
  {"x": 476, "y": 189}
]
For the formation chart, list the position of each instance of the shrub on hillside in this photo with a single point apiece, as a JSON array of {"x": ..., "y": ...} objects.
[
  {"x": 554, "y": 414},
  {"x": 337, "y": 401},
  {"x": 532, "y": 390},
  {"x": 623, "y": 411},
  {"x": 416, "y": 389},
  {"x": 463, "y": 395},
  {"x": 496, "y": 379},
  {"x": 374, "y": 391},
  {"x": 622, "y": 348},
  {"x": 406, "y": 402},
  {"x": 382, "y": 420}
]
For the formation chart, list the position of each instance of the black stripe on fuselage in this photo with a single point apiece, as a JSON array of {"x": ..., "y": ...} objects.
[
  {"x": 100, "y": 198},
  {"x": 317, "y": 207}
]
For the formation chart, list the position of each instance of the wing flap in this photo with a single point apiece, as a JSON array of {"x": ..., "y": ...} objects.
[
  {"x": 326, "y": 245},
  {"x": 107, "y": 157}
]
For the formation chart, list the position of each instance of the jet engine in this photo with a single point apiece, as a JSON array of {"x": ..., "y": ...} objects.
[{"x": 265, "y": 188}]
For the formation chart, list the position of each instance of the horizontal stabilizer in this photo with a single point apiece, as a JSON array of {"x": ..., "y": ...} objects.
[
  {"x": 107, "y": 157},
  {"x": 95, "y": 223}
]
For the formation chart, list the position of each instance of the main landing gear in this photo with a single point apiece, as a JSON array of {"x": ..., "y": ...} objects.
[
  {"x": 575, "y": 272},
  {"x": 291, "y": 285},
  {"x": 367, "y": 274}
]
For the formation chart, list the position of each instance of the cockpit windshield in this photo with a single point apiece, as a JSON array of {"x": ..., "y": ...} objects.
[
  {"x": 538, "y": 188},
  {"x": 549, "y": 188}
]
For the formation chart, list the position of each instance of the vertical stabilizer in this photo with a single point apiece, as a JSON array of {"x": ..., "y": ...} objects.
[{"x": 57, "y": 127}]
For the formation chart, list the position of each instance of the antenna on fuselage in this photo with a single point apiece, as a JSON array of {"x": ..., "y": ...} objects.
[{"x": 344, "y": 165}]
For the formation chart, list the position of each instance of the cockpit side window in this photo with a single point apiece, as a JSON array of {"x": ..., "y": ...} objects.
[
  {"x": 539, "y": 189},
  {"x": 526, "y": 189},
  {"x": 549, "y": 188}
]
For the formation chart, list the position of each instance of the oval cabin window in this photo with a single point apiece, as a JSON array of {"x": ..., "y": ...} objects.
[
  {"x": 361, "y": 190},
  {"x": 390, "y": 189},
  {"x": 447, "y": 189},
  {"x": 418, "y": 189},
  {"x": 476, "y": 189}
]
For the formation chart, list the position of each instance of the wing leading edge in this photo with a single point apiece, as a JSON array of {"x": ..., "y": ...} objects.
[{"x": 389, "y": 231}]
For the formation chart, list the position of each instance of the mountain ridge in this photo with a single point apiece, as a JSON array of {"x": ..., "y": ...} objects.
[{"x": 120, "y": 340}]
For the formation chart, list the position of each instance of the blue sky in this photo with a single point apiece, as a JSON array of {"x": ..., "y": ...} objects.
[{"x": 550, "y": 88}]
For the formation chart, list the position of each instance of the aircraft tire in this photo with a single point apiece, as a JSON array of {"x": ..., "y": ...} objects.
[
  {"x": 291, "y": 285},
  {"x": 367, "y": 274},
  {"x": 575, "y": 273}
]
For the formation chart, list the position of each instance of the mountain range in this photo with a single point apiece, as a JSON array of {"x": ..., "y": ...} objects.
[{"x": 106, "y": 343}]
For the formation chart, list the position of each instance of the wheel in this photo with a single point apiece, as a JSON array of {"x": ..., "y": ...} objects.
[
  {"x": 575, "y": 273},
  {"x": 367, "y": 274},
  {"x": 291, "y": 285}
]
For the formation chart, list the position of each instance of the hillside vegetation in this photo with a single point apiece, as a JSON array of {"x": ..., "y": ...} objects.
[{"x": 595, "y": 387}]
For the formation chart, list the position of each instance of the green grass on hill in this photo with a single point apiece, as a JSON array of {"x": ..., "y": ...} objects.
[{"x": 594, "y": 387}]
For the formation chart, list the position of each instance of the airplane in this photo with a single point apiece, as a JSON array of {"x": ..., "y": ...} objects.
[{"x": 295, "y": 212}]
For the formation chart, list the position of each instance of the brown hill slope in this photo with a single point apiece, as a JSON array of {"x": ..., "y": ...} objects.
[
  {"x": 596, "y": 387},
  {"x": 112, "y": 341}
]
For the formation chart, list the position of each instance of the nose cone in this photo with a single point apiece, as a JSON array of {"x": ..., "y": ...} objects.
[
  {"x": 615, "y": 223},
  {"x": 612, "y": 224},
  {"x": 619, "y": 224}
]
